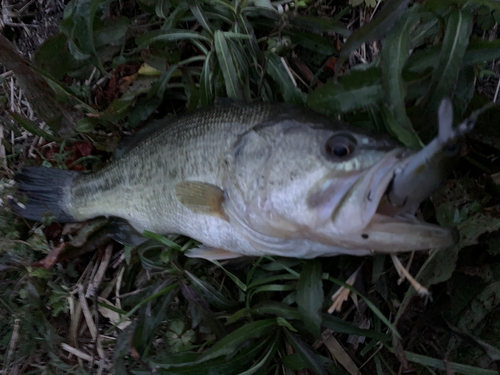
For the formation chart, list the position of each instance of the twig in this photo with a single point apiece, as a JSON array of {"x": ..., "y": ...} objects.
[
  {"x": 342, "y": 294},
  {"x": 90, "y": 323},
  {"x": 77, "y": 352},
  {"x": 421, "y": 290},
  {"x": 496, "y": 92},
  {"x": 12, "y": 347},
  {"x": 94, "y": 284}
]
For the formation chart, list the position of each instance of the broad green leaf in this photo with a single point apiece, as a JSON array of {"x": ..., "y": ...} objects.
[
  {"x": 381, "y": 24},
  {"x": 168, "y": 36},
  {"x": 428, "y": 28},
  {"x": 423, "y": 59},
  {"x": 480, "y": 50},
  {"x": 227, "y": 67},
  {"x": 83, "y": 19},
  {"x": 402, "y": 129},
  {"x": 359, "y": 89},
  {"x": 112, "y": 33},
  {"x": 263, "y": 4},
  {"x": 477, "y": 312},
  {"x": 458, "y": 30},
  {"x": 307, "y": 355},
  {"x": 118, "y": 109},
  {"x": 395, "y": 52},
  {"x": 86, "y": 125},
  {"x": 281, "y": 75},
  {"x": 32, "y": 127},
  {"x": 464, "y": 91},
  {"x": 310, "y": 295},
  {"x": 54, "y": 57},
  {"x": 232, "y": 342}
]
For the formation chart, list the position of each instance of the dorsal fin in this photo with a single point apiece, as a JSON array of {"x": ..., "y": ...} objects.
[{"x": 133, "y": 140}]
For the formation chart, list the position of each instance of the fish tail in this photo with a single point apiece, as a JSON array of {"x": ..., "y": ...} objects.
[{"x": 47, "y": 191}]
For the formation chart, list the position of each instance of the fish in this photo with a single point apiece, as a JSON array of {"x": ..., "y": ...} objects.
[{"x": 253, "y": 179}]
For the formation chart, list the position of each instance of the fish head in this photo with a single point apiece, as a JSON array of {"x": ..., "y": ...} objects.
[{"x": 319, "y": 182}]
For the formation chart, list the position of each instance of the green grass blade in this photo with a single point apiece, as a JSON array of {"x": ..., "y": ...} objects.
[
  {"x": 310, "y": 295},
  {"x": 232, "y": 342},
  {"x": 200, "y": 16},
  {"x": 359, "y": 89},
  {"x": 270, "y": 352},
  {"x": 32, "y": 127},
  {"x": 341, "y": 326},
  {"x": 395, "y": 52},
  {"x": 236, "y": 280},
  {"x": 164, "y": 240},
  {"x": 83, "y": 24},
  {"x": 458, "y": 30},
  {"x": 168, "y": 36},
  {"x": 228, "y": 69},
  {"x": 441, "y": 365},
  {"x": 370, "y": 304},
  {"x": 210, "y": 293},
  {"x": 281, "y": 75},
  {"x": 305, "y": 353}
]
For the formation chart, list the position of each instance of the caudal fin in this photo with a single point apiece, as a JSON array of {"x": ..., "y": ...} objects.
[{"x": 47, "y": 191}]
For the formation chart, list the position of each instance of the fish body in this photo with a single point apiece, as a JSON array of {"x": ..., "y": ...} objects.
[{"x": 247, "y": 179}]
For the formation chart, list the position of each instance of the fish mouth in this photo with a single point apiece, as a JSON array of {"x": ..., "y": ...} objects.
[
  {"x": 364, "y": 218},
  {"x": 394, "y": 227}
]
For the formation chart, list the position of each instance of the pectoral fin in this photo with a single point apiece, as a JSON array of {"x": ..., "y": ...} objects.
[
  {"x": 211, "y": 253},
  {"x": 201, "y": 198}
]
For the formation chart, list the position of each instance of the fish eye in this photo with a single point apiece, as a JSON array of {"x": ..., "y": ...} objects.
[{"x": 340, "y": 146}]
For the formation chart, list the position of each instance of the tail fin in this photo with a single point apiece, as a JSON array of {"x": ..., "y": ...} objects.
[{"x": 47, "y": 190}]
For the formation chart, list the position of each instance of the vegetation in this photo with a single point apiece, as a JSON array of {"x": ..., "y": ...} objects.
[{"x": 73, "y": 301}]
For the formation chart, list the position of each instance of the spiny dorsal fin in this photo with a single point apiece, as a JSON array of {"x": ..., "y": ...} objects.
[{"x": 201, "y": 198}]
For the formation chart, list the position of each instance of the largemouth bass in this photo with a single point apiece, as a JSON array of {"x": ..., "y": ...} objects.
[{"x": 248, "y": 179}]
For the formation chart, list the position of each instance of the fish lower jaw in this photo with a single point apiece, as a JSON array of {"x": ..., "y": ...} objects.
[{"x": 386, "y": 234}]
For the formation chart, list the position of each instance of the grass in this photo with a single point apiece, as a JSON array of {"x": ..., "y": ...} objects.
[{"x": 99, "y": 307}]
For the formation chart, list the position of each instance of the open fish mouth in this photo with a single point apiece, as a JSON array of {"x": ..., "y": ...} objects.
[
  {"x": 388, "y": 228},
  {"x": 364, "y": 218}
]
